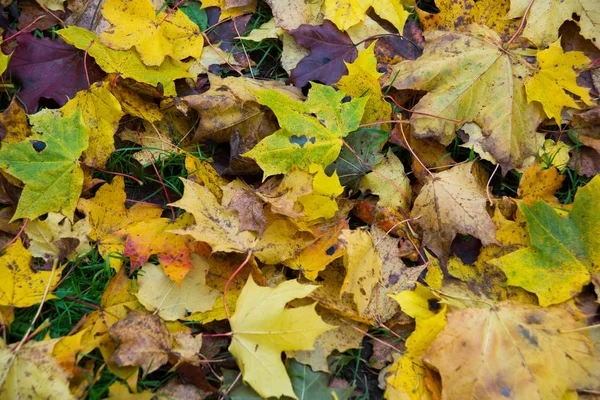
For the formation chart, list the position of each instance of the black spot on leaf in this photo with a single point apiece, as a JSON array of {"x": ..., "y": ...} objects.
[{"x": 38, "y": 145}]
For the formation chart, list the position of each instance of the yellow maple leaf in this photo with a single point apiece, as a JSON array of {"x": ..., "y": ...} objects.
[
  {"x": 347, "y": 13},
  {"x": 263, "y": 328},
  {"x": 556, "y": 77},
  {"x": 545, "y": 17},
  {"x": 154, "y": 35},
  {"x": 321, "y": 202},
  {"x": 126, "y": 64},
  {"x": 389, "y": 181},
  {"x": 513, "y": 349},
  {"x": 32, "y": 372},
  {"x": 228, "y": 11},
  {"x": 215, "y": 224},
  {"x": 108, "y": 215},
  {"x": 407, "y": 379},
  {"x": 157, "y": 292},
  {"x": 363, "y": 266},
  {"x": 20, "y": 285},
  {"x": 363, "y": 80}
]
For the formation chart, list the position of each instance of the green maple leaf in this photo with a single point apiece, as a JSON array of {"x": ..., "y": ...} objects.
[
  {"x": 311, "y": 131},
  {"x": 47, "y": 164},
  {"x": 564, "y": 251}
]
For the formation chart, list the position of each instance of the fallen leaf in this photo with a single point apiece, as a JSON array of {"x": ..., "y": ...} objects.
[
  {"x": 262, "y": 329},
  {"x": 157, "y": 292},
  {"x": 556, "y": 80},
  {"x": 446, "y": 207},
  {"x": 563, "y": 251},
  {"x": 142, "y": 340},
  {"x": 546, "y": 16},
  {"x": 457, "y": 15},
  {"x": 47, "y": 165},
  {"x": 108, "y": 215},
  {"x": 349, "y": 167},
  {"x": 290, "y": 14},
  {"x": 101, "y": 113},
  {"x": 153, "y": 237},
  {"x": 47, "y": 69},
  {"x": 489, "y": 92},
  {"x": 126, "y": 64},
  {"x": 363, "y": 267},
  {"x": 32, "y": 371},
  {"x": 321, "y": 253},
  {"x": 329, "y": 50},
  {"x": 305, "y": 139},
  {"x": 347, "y": 13},
  {"x": 509, "y": 350},
  {"x": 389, "y": 181},
  {"x": 21, "y": 286},
  {"x": 13, "y": 123},
  {"x": 215, "y": 224},
  {"x": 57, "y": 238},
  {"x": 249, "y": 206},
  {"x": 538, "y": 183},
  {"x": 314, "y": 385},
  {"x": 347, "y": 335},
  {"x": 135, "y": 23},
  {"x": 363, "y": 80},
  {"x": 408, "y": 373}
]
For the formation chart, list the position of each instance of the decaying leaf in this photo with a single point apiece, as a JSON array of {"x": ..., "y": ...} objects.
[
  {"x": 173, "y": 301},
  {"x": 487, "y": 88},
  {"x": 446, "y": 207},
  {"x": 510, "y": 350}
]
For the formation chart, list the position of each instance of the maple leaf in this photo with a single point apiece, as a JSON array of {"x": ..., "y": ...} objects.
[
  {"x": 32, "y": 371},
  {"x": 305, "y": 139},
  {"x": 249, "y": 206},
  {"x": 347, "y": 13},
  {"x": 108, "y": 215},
  {"x": 350, "y": 169},
  {"x": 395, "y": 277},
  {"x": 408, "y": 373},
  {"x": 47, "y": 69},
  {"x": 215, "y": 224},
  {"x": 363, "y": 79},
  {"x": 329, "y": 49},
  {"x": 347, "y": 335},
  {"x": 157, "y": 291},
  {"x": 154, "y": 35},
  {"x": 57, "y": 238},
  {"x": 315, "y": 258},
  {"x": 452, "y": 202},
  {"x": 363, "y": 266},
  {"x": 563, "y": 252},
  {"x": 290, "y": 14},
  {"x": 154, "y": 237},
  {"x": 142, "y": 340},
  {"x": 262, "y": 328},
  {"x": 487, "y": 88},
  {"x": 126, "y": 63},
  {"x": 555, "y": 78},
  {"x": 314, "y": 385},
  {"x": 101, "y": 113},
  {"x": 457, "y": 15},
  {"x": 389, "y": 181},
  {"x": 510, "y": 349},
  {"x": 13, "y": 123},
  {"x": 47, "y": 164},
  {"x": 546, "y": 16},
  {"x": 21, "y": 286}
]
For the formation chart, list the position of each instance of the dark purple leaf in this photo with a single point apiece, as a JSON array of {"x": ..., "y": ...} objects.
[
  {"x": 329, "y": 48},
  {"x": 392, "y": 49},
  {"x": 49, "y": 69}
]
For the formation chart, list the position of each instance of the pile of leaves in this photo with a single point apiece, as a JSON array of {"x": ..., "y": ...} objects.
[{"x": 303, "y": 199}]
